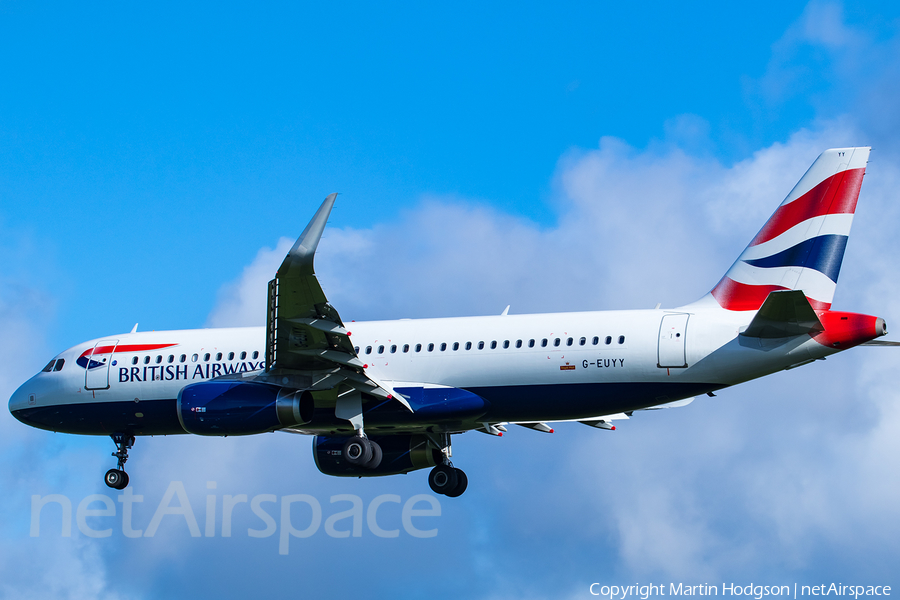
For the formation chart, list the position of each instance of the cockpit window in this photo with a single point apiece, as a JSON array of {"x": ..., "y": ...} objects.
[{"x": 54, "y": 365}]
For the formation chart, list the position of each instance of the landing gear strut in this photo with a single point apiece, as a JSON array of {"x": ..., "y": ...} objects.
[
  {"x": 117, "y": 478},
  {"x": 445, "y": 478},
  {"x": 358, "y": 450}
]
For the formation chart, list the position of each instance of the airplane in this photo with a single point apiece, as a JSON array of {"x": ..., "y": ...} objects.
[{"x": 385, "y": 397}]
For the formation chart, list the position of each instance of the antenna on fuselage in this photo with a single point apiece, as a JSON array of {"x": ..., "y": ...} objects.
[{"x": 134, "y": 329}]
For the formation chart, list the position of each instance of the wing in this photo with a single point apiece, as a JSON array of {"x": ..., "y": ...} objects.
[
  {"x": 600, "y": 421},
  {"x": 307, "y": 345}
]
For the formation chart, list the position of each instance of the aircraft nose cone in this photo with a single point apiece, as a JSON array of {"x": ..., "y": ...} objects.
[{"x": 21, "y": 399}]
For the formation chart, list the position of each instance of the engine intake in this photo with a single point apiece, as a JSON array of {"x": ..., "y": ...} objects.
[{"x": 241, "y": 407}]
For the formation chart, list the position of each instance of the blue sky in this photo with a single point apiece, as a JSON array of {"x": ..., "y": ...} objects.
[{"x": 155, "y": 161}]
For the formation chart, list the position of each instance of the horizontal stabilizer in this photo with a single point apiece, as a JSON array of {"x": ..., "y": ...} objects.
[
  {"x": 880, "y": 343},
  {"x": 784, "y": 314}
]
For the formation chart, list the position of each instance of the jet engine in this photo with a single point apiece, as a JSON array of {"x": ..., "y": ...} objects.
[
  {"x": 400, "y": 454},
  {"x": 241, "y": 407}
]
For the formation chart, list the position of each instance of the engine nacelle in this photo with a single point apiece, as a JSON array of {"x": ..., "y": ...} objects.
[
  {"x": 241, "y": 407},
  {"x": 400, "y": 454}
]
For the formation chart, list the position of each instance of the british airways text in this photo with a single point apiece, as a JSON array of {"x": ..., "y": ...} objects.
[{"x": 180, "y": 372}]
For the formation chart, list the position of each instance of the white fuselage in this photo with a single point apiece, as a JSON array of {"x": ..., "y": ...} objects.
[{"x": 539, "y": 367}]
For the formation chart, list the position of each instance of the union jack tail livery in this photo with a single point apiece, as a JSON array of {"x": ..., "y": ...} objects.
[{"x": 801, "y": 246}]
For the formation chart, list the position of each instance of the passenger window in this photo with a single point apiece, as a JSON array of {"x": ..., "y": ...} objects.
[
  {"x": 505, "y": 344},
  {"x": 393, "y": 348},
  {"x": 171, "y": 358},
  {"x": 356, "y": 349},
  {"x": 206, "y": 357},
  {"x": 569, "y": 342},
  {"x": 531, "y": 343},
  {"x": 556, "y": 342},
  {"x": 244, "y": 355},
  {"x": 595, "y": 341},
  {"x": 59, "y": 364},
  {"x": 255, "y": 354},
  {"x": 481, "y": 345},
  {"x": 518, "y": 343},
  {"x": 455, "y": 346},
  {"x": 380, "y": 349},
  {"x": 431, "y": 347},
  {"x": 494, "y": 345},
  {"x": 418, "y": 347},
  {"x": 621, "y": 339},
  {"x": 468, "y": 345},
  {"x": 406, "y": 347},
  {"x": 544, "y": 343},
  {"x": 49, "y": 366},
  {"x": 134, "y": 360},
  {"x": 608, "y": 340},
  {"x": 146, "y": 360},
  {"x": 182, "y": 358},
  {"x": 582, "y": 341},
  {"x": 368, "y": 349},
  {"x": 194, "y": 357},
  {"x": 218, "y": 356},
  {"x": 443, "y": 346},
  {"x": 231, "y": 356}
]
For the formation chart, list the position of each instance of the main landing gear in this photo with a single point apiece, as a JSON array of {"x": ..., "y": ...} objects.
[
  {"x": 445, "y": 478},
  {"x": 360, "y": 450},
  {"x": 117, "y": 478},
  {"x": 448, "y": 480}
]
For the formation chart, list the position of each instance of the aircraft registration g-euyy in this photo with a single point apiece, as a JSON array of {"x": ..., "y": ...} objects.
[{"x": 385, "y": 397}]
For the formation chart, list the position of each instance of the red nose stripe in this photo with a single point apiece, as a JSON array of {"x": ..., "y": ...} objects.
[{"x": 125, "y": 348}]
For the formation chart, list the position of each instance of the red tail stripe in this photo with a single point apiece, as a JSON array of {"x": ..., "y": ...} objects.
[
  {"x": 836, "y": 195},
  {"x": 732, "y": 295}
]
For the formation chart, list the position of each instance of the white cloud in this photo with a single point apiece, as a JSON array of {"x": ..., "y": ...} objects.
[
  {"x": 242, "y": 303},
  {"x": 762, "y": 479},
  {"x": 818, "y": 45},
  {"x": 73, "y": 568}
]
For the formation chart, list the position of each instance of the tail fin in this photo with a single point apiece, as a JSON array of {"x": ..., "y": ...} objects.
[{"x": 801, "y": 246}]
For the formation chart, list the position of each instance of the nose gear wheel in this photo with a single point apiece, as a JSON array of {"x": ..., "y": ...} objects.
[{"x": 117, "y": 478}]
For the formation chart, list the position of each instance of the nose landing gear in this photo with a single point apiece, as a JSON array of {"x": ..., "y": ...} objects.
[{"x": 117, "y": 478}]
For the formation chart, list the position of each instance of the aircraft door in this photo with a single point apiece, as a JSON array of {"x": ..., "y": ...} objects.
[
  {"x": 96, "y": 374},
  {"x": 672, "y": 332}
]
